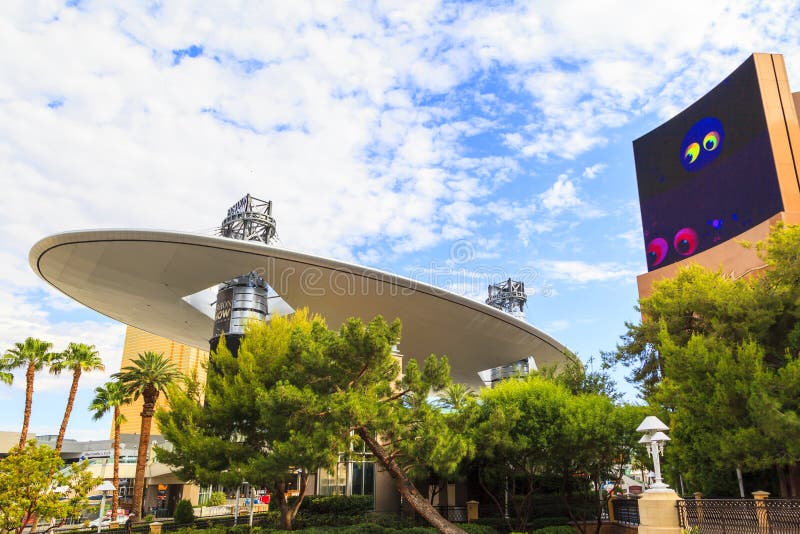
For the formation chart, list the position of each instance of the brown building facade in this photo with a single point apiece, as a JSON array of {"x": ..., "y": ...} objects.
[{"x": 189, "y": 361}]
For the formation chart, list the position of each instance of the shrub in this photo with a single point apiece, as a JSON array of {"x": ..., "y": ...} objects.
[
  {"x": 307, "y": 520},
  {"x": 149, "y": 518},
  {"x": 475, "y": 528},
  {"x": 336, "y": 504},
  {"x": 497, "y": 523},
  {"x": 391, "y": 520},
  {"x": 563, "y": 529},
  {"x": 184, "y": 513},
  {"x": 217, "y": 498},
  {"x": 268, "y": 520},
  {"x": 365, "y": 528},
  {"x": 543, "y": 522}
]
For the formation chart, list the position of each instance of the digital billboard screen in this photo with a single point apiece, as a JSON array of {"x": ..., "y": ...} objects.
[{"x": 708, "y": 174}]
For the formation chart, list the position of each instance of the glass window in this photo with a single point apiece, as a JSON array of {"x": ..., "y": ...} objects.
[
  {"x": 204, "y": 496},
  {"x": 353, "y": 476},
  {"x": 333, "y": 482}
]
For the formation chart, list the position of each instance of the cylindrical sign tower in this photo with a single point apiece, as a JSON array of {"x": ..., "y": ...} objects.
[
  {"x": 243, "y": 298},
  {"x": 239, "y": 301}
]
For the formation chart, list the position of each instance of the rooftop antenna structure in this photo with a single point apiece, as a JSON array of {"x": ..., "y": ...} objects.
[
  {"x": 250, "y": 219},
  {"x": 244, "y": 298},
  {"x": 508, "y": 296}
]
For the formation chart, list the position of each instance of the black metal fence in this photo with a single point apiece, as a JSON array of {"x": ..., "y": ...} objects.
[
  {"x": 454, "y": 514},
  {"x": 259, "y": 519},
  {"x": 740, "y": 516},
  {"x": 139, "y": 528},
  {"x": 626, "y": 511}
]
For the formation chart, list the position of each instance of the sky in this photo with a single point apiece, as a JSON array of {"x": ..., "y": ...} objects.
[{"x": 458, "y": 143}]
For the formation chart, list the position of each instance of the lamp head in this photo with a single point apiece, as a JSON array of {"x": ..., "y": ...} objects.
[
  {"x": 660, "y": 437},
  {"x": 652, "y": 424},
  {"x": 105, "y": 486}
]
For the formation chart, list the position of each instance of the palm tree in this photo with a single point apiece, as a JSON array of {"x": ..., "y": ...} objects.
[
  {"x": 33, "y": 355},
  {"x": 456, "y": 397},
  {"x": 112, "y": 396},
  {"x": 77, "y": 358},
  {"x": 148, "y": 375}
]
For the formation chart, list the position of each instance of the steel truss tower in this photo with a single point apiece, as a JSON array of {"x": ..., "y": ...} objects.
[{"x": 508, "y": 296}]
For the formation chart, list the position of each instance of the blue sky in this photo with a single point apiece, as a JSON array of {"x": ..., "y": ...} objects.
[{"x": 455, "y": 142}]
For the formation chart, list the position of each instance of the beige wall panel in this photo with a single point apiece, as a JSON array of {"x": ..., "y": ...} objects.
[
  {"x": 782, "y": 124},
  {"x": 387, "y": 499},
  {"x": 191, "y": 492},
  {"x": 731, "y": 257},
  {"x": 791, "y": 160},
  {"x": 187, "y": 359}
]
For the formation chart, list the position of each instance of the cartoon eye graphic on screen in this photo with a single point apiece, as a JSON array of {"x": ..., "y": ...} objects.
[
  {"x": 702, "y": 144},
  {"x": 656, "y": 251},
  {"x": 685, "y": 241}
]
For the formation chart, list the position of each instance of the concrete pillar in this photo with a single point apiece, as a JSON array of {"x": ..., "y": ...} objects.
[
  {"x": 155, "y": 528},
  {"x": 698, "y": 496},
  {"x": 191, "y": 492},
  {"x": 761, "y": 510},
  {"x": 611, "y": 517},
  {"x": 658, "y": 513},
  {"x": 472, "y": 511}
]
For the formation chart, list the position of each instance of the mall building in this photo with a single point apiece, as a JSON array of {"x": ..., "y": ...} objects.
[{"x": 179, "y": 293}]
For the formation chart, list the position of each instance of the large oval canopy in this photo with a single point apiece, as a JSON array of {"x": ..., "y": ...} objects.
[{"x": 141, "y": 278}]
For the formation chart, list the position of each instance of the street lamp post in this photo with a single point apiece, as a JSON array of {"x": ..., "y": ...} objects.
[
  {"x": 252, "y": 504},
  {"x": 104, "y": 487},
  {"x": 655, "y": 438}
]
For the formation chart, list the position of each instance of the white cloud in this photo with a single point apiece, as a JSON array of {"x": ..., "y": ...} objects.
[
  {"x": 561, "y": 195},
  {"x": 632, "y": 238},
  {"x": 505, "y": 210},
  {"x": 592, "y": 171},
  {"x": 21, "y": 317},
  {"x": 582, "y": 272},
  {"x": 556, "y": 325}
]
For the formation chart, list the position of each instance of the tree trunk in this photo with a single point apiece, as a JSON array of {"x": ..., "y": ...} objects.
[
  {"x": 288, "y": 513},
  {"x": 23, "y": 436},
  {"x": 148, "y": 408},
  {"x": 70, "y": 401},
  {"x": 115, "y": 498},
  {"x": 500, "y": 508},
  {"x": 301, "y": 495},
  {"x": 406, "y": 487},
  {"x": 280, "y": 495}
]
